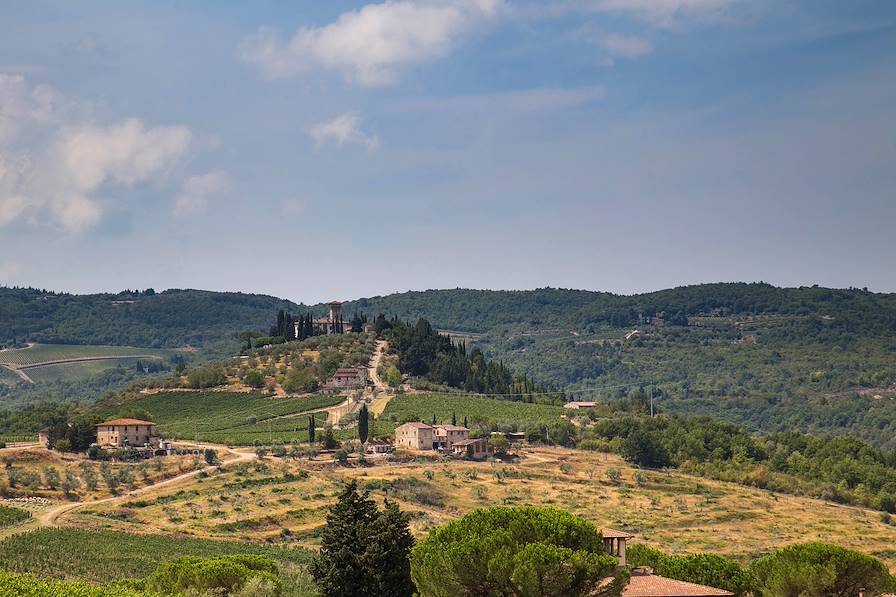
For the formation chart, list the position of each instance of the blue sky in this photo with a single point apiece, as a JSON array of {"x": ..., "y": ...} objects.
[{"x": 317, "y": 150}]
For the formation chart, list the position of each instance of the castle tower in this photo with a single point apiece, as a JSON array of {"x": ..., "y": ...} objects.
[{"x": 334, "y": 317}]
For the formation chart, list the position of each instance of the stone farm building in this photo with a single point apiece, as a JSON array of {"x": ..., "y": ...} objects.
[
  {"x": 119, "y": 433},
  {"x": 450, "y": 439},
  {"x": 348, "y": 378},
  {"x": 475, "y": 449},
  {"x": 416, "y": 436}
]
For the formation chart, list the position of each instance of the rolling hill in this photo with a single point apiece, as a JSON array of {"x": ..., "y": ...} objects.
[{"x": 771, "y": 359}]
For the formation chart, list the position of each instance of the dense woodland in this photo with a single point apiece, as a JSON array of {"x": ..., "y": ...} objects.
[{"x": 424, "y": 352}]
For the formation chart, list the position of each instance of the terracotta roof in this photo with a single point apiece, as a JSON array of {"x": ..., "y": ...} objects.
[
  {"x": 580, "y": 405},
  {"x": 125, "y": 422},
  {"x": 453, "y": 427},
  {"x": 614, "y": 534},
  {"x": 645, "y": 584},
  {"x": 417, "y": 425},
  {"x": 466, "y": 442}
]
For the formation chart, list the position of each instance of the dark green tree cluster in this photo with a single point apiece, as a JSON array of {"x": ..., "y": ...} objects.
[
  {"x": 525, "y": 551},
  {"x": 424, "y": 352},
  {"x": 364, "y": 550}
]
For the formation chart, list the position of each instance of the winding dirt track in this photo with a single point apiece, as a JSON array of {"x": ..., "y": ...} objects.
[{"x": 52, "y": 515}]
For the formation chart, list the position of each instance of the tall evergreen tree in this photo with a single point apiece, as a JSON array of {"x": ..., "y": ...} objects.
[
  {"x": 388, "y": 553},
  {"x": 364, "y": 552},
  {"x": 339, "y": 568},
  {"x": 363, "y": 422},
  {"x": 311, "y": 426},
  {"x": 453, "y": 418}
]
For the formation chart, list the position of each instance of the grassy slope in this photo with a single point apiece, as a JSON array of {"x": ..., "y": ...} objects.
[{"x": 675, "y": 512}]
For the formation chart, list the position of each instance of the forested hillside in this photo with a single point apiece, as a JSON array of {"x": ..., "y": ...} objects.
[
  {"x": 772, "y": 359},
  {"x": 173, "y": 318}
]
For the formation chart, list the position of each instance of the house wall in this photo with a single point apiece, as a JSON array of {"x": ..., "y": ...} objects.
[
  {"x": 414, "y": 438},
  {"x": 115, "y": 435}
]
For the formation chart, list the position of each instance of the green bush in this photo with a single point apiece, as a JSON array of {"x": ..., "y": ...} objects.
[{"x": 229, "y": 573}]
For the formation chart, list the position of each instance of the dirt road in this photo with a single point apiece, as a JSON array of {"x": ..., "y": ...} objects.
[{"x": 52, "y": 515}]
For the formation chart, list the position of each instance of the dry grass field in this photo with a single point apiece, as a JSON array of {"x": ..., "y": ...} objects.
[
  {"x": 284, "y": 502},
  {"x": 37, "y": 472}
]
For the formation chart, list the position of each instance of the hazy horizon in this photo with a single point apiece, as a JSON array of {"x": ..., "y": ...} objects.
[{"x": 315, "y": 150}]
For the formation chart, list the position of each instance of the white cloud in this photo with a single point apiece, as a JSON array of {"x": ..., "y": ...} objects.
[
  {"x": 197, "y": 190},
  {"x": 371, "y": 44},
  {"x": 22, "y": 104},
  {"x": 54, "y": 162},
  {"x": 625, "y": 46},
  {"x": 343, "y": 130}
]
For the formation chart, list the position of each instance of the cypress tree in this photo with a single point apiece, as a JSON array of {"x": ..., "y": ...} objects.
[
  {"x": 465, "y": 421},
  {"x": 363, "y": 421},
  {"x": 311, "y": 426},
  {"x": 433, "y": 419},
  {"x": 364, "y": 552},
  {"x": 340, "y": 569},
  {"x": 453, "y": 418}
]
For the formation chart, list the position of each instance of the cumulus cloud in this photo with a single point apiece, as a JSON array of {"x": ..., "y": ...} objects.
[
  {"x": 370, "y": 45},
  {"x": 55, "y": 162},
  {"x": 343, "y": 130},
  {"x": 197, "y": 190}
]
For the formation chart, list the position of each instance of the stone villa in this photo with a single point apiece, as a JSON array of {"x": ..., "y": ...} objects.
[
  {"x": 448, "y": 439},
  {"x": 120, "y": 433}
]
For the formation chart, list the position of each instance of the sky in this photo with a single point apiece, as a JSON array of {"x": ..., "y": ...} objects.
[{"x": 319, "y": 150}]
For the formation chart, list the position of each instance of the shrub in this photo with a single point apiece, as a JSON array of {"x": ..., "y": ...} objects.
[{"x": 229, "y": 573}]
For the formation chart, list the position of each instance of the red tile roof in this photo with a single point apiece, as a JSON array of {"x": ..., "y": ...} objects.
[
  {"x": 125, "y": 422},
  {"x": 644, "y": 584},
  {"x": 614, "y": 534},
  {"x": 417, "y": 425}
]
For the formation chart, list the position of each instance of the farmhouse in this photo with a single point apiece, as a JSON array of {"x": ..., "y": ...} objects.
[
  {"x": 348, "y": 378},
  {"x": 120, "y": 433},
  {"x": 416, "y": 436},
  {"x": 445, "y": 436},
  {"x": 43, "y": 437}
]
